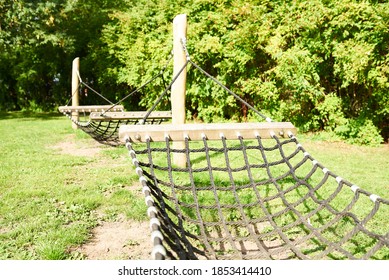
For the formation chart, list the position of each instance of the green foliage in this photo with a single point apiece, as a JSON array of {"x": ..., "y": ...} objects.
[
  {"x": 314, "y": 63},
  {"x": 317, "y": 64},
  {"x": 330, "y": 113},
  {"x": 38, "y": 41},
  {"x": 360, "y": 131}
]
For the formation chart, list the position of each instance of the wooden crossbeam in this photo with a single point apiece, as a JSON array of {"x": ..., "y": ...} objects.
[
  {"x": 136, "y": 115},
  {"x": 89, "y": 108},
  {"x": 212, "y": 131}
]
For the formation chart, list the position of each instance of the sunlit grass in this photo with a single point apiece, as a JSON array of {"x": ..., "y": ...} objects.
[
  {"x": 233, "y": 198},
  {"x": 50, "y": 201}
]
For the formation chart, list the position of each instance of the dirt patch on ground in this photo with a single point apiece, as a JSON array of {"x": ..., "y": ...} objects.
[
  {"x": 74, "y": 147},
  {"x": 121, "y": 240}
]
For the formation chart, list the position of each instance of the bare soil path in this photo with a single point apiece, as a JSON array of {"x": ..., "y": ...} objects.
[
  {"x": 110, "y": 240},
  {"x": 118, "y": 240}
]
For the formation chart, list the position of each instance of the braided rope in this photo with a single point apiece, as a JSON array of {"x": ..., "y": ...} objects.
[
  {"x": 258, "y": 199},
  {"x": 255, "y": 199},
  {"x": 106, "y": 131}
]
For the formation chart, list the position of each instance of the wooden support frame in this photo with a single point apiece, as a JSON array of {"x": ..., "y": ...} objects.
[
  {"x": 89, "y": 108},
  {"x": 75, "y": 87},
  {"x": 212, "y": 131},
  {"x": 179, "y": 86},
  {"x": 135, "y": 115}
]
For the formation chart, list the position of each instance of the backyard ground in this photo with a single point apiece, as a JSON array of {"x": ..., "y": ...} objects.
[
  {"x": 65, "y": 196},
  {"x": 119, "y": 239}
]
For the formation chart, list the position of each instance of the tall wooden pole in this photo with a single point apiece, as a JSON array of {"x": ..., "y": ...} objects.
[
  {"x": 75, "y": 86},
  {"x": 179, "y": 86}
]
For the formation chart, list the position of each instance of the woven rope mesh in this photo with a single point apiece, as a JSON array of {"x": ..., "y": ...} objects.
[
  {"x": 257, "y": 199},
  {"x": 106, "y": 131}
]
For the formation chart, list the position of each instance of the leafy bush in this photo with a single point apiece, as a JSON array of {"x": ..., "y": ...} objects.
[
  {"x": 330, "y": 113},
  {"x": 318, "y": 64},
  {"x": 360, "y": 131}
]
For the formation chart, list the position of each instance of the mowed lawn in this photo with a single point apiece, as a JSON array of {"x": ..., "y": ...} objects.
[{"x": 57, "y": 184}]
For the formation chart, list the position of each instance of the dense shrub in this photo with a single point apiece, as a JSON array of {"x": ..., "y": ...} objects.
[
  {"x": 323, "y": 65},
  {"x": 360, "y": 131}
]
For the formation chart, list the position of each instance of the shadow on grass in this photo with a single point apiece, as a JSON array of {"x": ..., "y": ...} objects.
[{"x": 29, "y": 114}]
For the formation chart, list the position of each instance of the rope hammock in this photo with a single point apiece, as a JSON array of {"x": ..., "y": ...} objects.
[
  {"x": 250, "y": 199},
  {"x": 103, "y": 122},
  {"x": 104, "y": 126},
  {"x": 250, "y": 191}
]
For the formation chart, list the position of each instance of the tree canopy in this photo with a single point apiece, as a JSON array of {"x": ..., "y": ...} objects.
[{"x": 321, "y": 64}]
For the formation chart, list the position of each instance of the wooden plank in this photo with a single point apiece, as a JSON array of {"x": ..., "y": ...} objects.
[
  {"x": 179, "y": 86},
  {"x": 136, "y": 115},
  {"x": 212, "y": 131},
  {"x": 89, "y": 108}
]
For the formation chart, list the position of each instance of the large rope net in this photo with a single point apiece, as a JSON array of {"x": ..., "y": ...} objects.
[
  {"x": 260, "y": 198},
  {"x": 105, "y": 130},
  {"x": 255, "y": 198}
]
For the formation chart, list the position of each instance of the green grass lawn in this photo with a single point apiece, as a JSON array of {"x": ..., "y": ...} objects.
[{"x": 50, "y": 200}]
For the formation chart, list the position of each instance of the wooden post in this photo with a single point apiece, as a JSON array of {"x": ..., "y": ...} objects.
[
  {"x": 179, "y": 86},
  {"x": 75, "y": 86}
]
